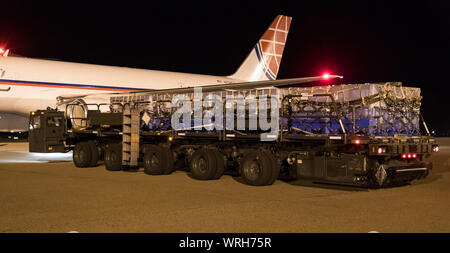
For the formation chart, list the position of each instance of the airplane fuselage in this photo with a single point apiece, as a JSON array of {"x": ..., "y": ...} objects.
[{"x": 29, "y": 84}]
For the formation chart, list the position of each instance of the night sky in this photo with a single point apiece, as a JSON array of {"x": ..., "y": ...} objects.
[{"x": 380, "y": 41}]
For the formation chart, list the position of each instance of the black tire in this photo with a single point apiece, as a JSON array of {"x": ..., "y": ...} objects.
[
  {"x": 94, "y": 153},
  {"x": 203, "y": 164},
  {"x": 157, "y": 160},
  {"x": 82, "y": 155},
  {"x": 220, "y": 167},
  {"x": 113, "y": 157},
  {"x": 257, "y": 168},
  {"x": 275, "y": 166}
]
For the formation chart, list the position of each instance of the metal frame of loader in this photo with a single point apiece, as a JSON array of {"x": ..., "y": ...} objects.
[{"x": 116, "y": 138}]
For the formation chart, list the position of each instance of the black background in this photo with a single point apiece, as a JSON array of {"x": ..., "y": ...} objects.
[{"x": 365, "y": 42}]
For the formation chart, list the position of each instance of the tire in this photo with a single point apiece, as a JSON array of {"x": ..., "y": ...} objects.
[
  {"x": 113, "y": 157},
  {"x": 203, "y": 164},
  {"x": 275, "y": 167},
  {"x": 158, "y": 160},
  {"x": 94, "y": 153},
  {"x": 220, "y": 165},
  {"x": 82, "y": 155},
  {"x": 257, "y": 168}
]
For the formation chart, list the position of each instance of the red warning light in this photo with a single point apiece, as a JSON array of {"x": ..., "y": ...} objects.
[
  {"x": 357, "y": 141},
  {"x": 2, "y": 51},
  {"x": 326, "y": 76},
  {"x": 409, "y": 155},
  {"x": 414, "y": 155},
  {"x": 404, "y": 156}
]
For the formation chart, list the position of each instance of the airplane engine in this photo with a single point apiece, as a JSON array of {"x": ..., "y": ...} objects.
[{"x": 10, "y": 122}]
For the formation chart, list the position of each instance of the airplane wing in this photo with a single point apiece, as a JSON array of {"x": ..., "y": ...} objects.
[
  {"x": 214, "y": 87},
  {"x": 244, "y": 85}
]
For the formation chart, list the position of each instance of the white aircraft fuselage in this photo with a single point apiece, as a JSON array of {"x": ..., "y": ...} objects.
[{"x": 30, "y": 84}]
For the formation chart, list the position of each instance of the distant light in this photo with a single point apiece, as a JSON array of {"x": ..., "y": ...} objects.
[{"x": 326, "y": 76}]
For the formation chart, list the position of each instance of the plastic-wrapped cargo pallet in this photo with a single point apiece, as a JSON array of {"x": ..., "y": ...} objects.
[{"x": 382, "y": 109}]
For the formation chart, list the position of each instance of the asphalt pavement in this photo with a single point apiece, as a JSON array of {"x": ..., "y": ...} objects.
[{"x": 47, "y": 193}]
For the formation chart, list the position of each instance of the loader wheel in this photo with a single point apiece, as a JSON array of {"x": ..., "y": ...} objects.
[
  {"x": 82, "y": 155},
  {"x": 275, "y": 166},
  {"x": 158, "y": 160},
  {"x": 257, "y": 168},
  {"x": 220, "y": 164},
  {"x": 203, "y": 164},
  {"x": 113, "y": 157},
  {"x": 94, "y": 153}
]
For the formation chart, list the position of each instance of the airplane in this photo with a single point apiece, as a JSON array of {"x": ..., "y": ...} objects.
[{"x": 29, "y": 84}]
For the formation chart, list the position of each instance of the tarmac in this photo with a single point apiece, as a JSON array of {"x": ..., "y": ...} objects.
[{"x": 47, "y": 193}]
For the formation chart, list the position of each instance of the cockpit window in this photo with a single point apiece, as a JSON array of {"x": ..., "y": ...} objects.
[
  {"x": 54, "y": 121},
  {"x": 35, "y": 122}
]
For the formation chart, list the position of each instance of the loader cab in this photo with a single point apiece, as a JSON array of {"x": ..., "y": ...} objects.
[{"x": 46, "y": 131}]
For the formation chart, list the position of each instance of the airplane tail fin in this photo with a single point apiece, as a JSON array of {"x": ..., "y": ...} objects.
[{"x": 264, "y": 60}]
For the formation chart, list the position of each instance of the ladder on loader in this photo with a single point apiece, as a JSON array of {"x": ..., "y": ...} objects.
[{"x": 130, "y": 137}]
